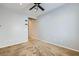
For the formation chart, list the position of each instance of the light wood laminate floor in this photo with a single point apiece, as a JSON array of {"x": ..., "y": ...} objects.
[{"x": 36, "y": 47}]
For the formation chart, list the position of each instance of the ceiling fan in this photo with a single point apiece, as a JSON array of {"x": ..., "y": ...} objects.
[{"x": 36, "y": 6}]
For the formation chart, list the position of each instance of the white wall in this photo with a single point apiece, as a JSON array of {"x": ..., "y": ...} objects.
[
  {"x": 60, "y": 26},
  {"x": 13, "y": 30}
]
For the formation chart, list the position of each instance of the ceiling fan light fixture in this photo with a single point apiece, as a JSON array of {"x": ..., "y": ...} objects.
[
  {"x": 36, "y": 6},
  {"x": 36, "y": 9}
]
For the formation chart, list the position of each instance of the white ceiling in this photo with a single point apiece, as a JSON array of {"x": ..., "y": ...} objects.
[{"x": 24, "y": 8}]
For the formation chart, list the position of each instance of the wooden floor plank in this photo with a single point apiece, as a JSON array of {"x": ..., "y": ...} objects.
[{"x": 36, "y": 47}]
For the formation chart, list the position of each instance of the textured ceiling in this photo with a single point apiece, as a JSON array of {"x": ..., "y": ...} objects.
[{"x": 24, "y": 8}]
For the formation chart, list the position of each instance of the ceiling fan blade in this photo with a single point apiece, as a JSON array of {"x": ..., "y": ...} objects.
[
  {"x": 37, "y": 3},
  {"x": 41, "y": 7},
  {"x": 32, "y": 7}
]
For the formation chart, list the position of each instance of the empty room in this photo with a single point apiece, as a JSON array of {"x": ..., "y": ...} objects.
[{"x": 39, "y": 29}]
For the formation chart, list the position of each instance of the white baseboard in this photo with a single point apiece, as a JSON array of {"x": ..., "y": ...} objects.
[
  {"x": 12, "y": 44},
  {"x": 62, "y": 46}
]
